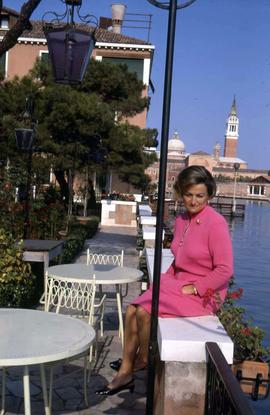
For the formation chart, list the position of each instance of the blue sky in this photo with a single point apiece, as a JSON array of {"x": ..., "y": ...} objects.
[{"x": 222, "y": 49}]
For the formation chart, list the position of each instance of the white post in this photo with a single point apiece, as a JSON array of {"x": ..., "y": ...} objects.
[
  {"x": 236, "y": 167},
  {"x": 86, "y": 192}
]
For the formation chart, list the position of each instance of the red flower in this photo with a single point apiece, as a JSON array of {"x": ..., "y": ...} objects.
[
  {"x": 208, "y": 294},
  {"x": 7, "y": 185},
  {"x": 236, "y": 294},
  {"x": 247, "y": 331}
]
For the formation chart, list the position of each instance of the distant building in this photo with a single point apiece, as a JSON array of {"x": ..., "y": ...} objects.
[
  {"x": 231, "y": 142},
  {"x": 251, "y": 183},
  {"x": 175, "y": 162}
]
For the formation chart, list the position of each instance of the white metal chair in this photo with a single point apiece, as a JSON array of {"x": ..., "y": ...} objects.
[
  {"x": 113, "y": 259},
  {"x": 116, "y": 259},
  {"x": 79, "y": 300},
  {"x": 75, "y": 297}
]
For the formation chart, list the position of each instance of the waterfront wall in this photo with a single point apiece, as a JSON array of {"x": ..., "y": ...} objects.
[{"x": 250, "y": 190}]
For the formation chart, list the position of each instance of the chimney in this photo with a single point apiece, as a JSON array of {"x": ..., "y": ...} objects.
[{"x": 118, "y": 12}]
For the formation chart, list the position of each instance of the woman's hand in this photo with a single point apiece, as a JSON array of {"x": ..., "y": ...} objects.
[{"x": 189, "y": 289}]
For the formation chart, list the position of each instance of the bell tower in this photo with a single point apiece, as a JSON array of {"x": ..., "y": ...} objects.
[{"x": 231, "y": 135}]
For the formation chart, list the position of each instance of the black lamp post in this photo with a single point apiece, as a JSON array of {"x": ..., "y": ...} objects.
[
  {"x": 70, "y": 45},
  {"x": 172, "y": 7},
  {"x": 25, "y": 138}
]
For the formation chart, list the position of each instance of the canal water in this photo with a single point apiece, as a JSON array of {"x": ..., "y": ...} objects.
[{"x": 251, "y": 242}]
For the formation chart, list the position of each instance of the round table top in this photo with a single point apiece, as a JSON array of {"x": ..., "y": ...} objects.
[
  {"x": 32, "y": 337},
  {"x": 104, "y": 274}
]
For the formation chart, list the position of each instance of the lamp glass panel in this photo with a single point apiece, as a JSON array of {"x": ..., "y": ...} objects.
[
  {"x": 70, "y": 50},
  {"x": 24, "y": 138}
]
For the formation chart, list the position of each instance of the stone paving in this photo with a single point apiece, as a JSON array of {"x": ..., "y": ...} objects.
[{"x": 68, "y": 380}]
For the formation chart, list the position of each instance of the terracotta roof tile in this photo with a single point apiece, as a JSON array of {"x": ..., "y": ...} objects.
[{"x": 101, "y": 35}]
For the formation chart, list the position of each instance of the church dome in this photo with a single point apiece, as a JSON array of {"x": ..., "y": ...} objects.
[{"x": 175, "y": 144}]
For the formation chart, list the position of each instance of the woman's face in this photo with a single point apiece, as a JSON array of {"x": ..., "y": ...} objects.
[{"x": 195, "y": 198}]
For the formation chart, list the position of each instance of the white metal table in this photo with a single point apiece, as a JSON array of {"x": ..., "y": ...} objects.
[
  {"x": 30, "y": 337},
  {"x": 104, "y": 275}
]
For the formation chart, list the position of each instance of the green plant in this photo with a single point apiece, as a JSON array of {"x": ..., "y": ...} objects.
[
  {"x": 75, "y": 240},
  {"x": 17, "y": 284},
  {"x": 248, "y": 338},
  {"x": 121, "y": 196}
]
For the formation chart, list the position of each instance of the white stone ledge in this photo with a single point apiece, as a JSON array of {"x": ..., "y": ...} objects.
[
  {"x": 145, "y": 210},
  {"x": 148, "y": 220},
  {"x": 183, "y": 338},
  {"x": 149, "y": 233}
]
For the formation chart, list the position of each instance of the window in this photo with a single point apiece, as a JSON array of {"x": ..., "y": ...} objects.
[
  {"x": 257, "y": 190},
  {"x": 3, "y": 65},
  {"x": 134, "y": 65},
  {"x": 44, "y": 56},
  {"x": 4, "y": 22}
]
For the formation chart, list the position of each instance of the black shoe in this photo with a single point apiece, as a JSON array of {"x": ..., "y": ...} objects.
[
  {"x": 116, "y": 364},
  {"x": 109, "y": 392}
]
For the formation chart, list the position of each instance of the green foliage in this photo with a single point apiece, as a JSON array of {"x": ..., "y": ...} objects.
[
  {"x": 47, "y": 214},
  {"x": 245, "y": 179},
  {"x": 17, "y": 284},
  {"x": 74, "y": 242},
  {"x": 223, "y": 179},
  {"x": 115, "y": 86},
  {"x": 248, "y": 339},
  {"x": 127, "y": 155},
  {"x": 46, "y": 219},
  {"x": 121, "y": 196},
  {"x": 12, "y": 108}
]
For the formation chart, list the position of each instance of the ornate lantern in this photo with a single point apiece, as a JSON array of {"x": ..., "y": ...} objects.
[
  {"x": 70, "y": 45},
  {"x": 24, "y": 138}
]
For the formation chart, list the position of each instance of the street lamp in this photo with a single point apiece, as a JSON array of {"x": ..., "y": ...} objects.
[
  {"x": 172, "y": 7},
  {"x": 70, "y": 45},
  {"x": 25, "y": 138},
  {"x": 236, "y": 166}
]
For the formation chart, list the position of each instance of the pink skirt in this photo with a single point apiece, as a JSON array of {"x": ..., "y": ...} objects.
[{"x": 172, "y": 303}]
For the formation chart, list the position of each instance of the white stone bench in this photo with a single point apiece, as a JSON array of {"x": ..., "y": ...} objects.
[
  {"x": 181, "y": 372},
  {"x": 145, "y": 210},
  {"x": 148, "y": 220},
  {"x": 183, "y": 338},
  {"x": 149, "y": 235}
]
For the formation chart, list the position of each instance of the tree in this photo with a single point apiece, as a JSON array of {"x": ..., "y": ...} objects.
[
  {"x": 12, "y": 35},
  {"x": 127, "y": 155},
  {"x": 76, "y": 123}
]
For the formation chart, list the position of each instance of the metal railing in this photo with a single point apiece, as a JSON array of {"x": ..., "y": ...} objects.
[{"x": 223, "y": 393}]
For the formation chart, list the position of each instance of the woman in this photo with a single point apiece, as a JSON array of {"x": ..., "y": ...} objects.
[{"x": 196, "y": 282}]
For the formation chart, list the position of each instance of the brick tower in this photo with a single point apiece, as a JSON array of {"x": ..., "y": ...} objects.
[{"x": 231, "y": 136}]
